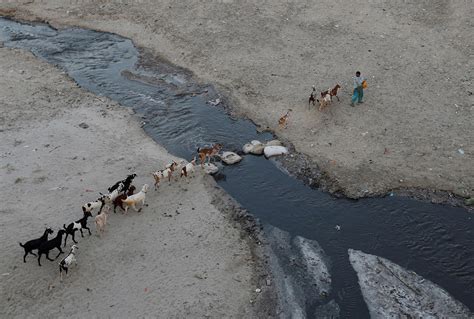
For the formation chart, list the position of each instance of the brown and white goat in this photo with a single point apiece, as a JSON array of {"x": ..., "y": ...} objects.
[
  {"x": 166, "y": 173},
  {"x": 138, "y": 198},
  {"x": 118, "y": 200},
  {"x": 188, "y": 169}
]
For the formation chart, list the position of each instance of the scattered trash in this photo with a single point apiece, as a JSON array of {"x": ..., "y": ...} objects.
[
  {"x": 268, "y": 282},
  {"x": 338, "y": 228},
  {"x": 199, "y": 276},
  {"x": 83, "y": 125},
  {"x": 391, "y": 194},
  {"x": 365, "y": 133},
  {"x": 89, "y": 190},
  {"x": 54, "y": 148},
  {"x": 258, "y": 290},
  {"x": 55, "y": 188},
  {"x": 214, "y": 102},
  {"x": 146, "y": 289},
  {"x": 461, "y": 151},
  {"x": 6, "y": 274},
  {"x": 386, "y": 151}
]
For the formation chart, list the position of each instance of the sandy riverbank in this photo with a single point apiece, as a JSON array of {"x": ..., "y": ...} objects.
[
  {"x": 184, "y": 255},
  {"x": 418, "y": 108}
]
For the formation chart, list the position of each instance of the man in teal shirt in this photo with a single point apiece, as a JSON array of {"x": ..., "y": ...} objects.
[{"x": 358, "y": 89}]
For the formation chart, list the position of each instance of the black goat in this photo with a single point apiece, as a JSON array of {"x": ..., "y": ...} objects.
[
  {"x": 50, "y": 245},
  {"x": 77, "y": 225},
  {"x": 31, "y": 245},
  {"x": 126, "y": 183}
]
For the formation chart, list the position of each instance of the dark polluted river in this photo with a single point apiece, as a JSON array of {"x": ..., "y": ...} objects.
[{"x": 435, "y": 241}]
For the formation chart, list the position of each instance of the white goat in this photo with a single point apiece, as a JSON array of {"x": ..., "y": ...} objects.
[
  {"x": 138, "y": 198},
  {"x": 67, "y": 261}
]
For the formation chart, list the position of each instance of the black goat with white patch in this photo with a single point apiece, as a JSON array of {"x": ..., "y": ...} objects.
[
  {"x": 99, "y": 203},
  {"x": 34, "y": 244},
  {"x": 77, "y": 225},
  {"x": 50, "y": 245},
  {"x": 126, "y": 183}
]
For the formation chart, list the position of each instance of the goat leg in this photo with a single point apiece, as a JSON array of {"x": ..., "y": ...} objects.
[
  {"x": 82, "y": 234},
  {"x": 60, "y": 252},
  {"x": 24, "y": 258},
  {"x": 33, "y": 253},
  {"x": 88, "y": 229},
  {"x": 74, "y": 237},
  {"x": 47, "y": 256},
  {"x": 39, "y": 259},
  {"x": 65, "y": 240}
]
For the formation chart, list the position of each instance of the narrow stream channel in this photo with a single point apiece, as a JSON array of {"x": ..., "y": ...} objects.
[{"x": 435, "y": 241}]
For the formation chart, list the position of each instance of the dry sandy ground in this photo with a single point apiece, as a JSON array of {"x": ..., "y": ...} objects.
[
  {"x": 266, "y": 56},
  {"x": 180, "y": 257}
]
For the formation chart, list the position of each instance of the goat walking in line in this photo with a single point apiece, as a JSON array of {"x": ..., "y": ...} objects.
[
  {"x": 118, "y": 201},
  {"x": 50, "y": 245},
  {"x": 77, "y": 225},
  {"x": 101, "y": 220},
  {"x": 207, "y": 153},
  {"x": 138, "y": 198},
  {"x": 34, "y": 244}
]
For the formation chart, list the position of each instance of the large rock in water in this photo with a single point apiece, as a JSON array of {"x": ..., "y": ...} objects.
[
  {"x": 255, "y": 147},
  {"x": 270, "y": 151},
  {"x": 391, "y": 291},
  {"x": 210, "y": 168},
  {"x": 230, "y": 158}
]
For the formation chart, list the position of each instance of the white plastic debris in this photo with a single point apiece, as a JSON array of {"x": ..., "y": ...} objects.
[
  {"x": 270, "y": 151},
  {"x": 461, "y": 151},
  {"x": 338, "y": 228},
  {"x": 215, "y": 102}
]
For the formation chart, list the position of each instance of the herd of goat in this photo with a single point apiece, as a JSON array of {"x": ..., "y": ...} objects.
[{"x": 121, "y": 194}]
